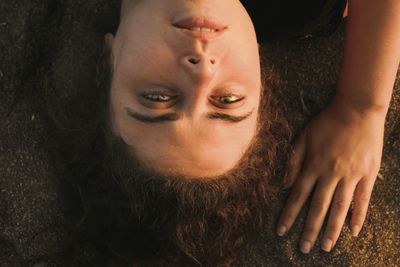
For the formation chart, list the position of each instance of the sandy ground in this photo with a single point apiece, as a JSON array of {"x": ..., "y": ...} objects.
[{"x": 56, "y": 37}]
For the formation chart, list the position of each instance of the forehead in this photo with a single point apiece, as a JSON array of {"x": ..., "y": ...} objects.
[
  {"x": 187, "y": 150},
  {"x": 203, "y": 161}
]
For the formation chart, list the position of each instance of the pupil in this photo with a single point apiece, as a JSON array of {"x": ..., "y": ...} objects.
[{"x": 228, "y": 99}]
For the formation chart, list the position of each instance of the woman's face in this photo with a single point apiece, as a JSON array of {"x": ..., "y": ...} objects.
[{"x": 186, "y": 84}]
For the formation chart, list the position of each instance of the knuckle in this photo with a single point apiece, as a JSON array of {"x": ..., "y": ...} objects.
[
  {"x": 287, "y": 218},
  {"x": 362, "y": 167},
  {"x": 363, "y": 198},
  {"x": 358, "y": 214},
  {"x": 355, "y": 169},
  {"x": 318, "y": 206},
  {"x": 313, "y": 164},
  {"x": 337, "y": 165},
  {"x": 340, "y": 204},
  {"x": 296, "y": 197},
  {"x": 331, "y": 229},
  {"x": 310, "y": 231},
  {"x": 358, "y": 170}
]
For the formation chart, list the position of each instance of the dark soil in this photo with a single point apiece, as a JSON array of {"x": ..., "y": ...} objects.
[{"x": 59, "y": 40}]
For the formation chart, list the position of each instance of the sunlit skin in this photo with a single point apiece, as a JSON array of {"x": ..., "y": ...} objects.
[
  {"x": 211, "y": 87},
  {"x": 339, "y": 153}
]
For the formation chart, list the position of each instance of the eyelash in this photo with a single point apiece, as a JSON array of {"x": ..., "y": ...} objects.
[
  {"x": 162, "y": 98},
  {"x": 222, "y": 99}
]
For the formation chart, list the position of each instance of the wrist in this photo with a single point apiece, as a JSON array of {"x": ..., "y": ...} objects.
[
  {"x": 360, "y": 106},
  {"x": 358, "y": 110}
]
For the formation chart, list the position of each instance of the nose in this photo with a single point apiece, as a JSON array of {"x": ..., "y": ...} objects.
[{"x": 200, "y": 67}]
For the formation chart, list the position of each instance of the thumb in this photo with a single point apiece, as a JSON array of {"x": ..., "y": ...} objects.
[{"x": 296, "y": 161}]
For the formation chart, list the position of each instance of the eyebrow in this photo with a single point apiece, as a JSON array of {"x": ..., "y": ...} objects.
[{"x": 175, "y": 116}]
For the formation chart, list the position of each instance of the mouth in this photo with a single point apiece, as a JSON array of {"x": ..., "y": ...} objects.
[
  {"x": 200, "y": 29},
  {"x": 204, "y": 28}
]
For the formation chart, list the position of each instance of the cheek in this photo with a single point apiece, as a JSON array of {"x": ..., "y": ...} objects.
[
  {"x": 244, "y": 65},
  {"x": 141, "y": 54}
]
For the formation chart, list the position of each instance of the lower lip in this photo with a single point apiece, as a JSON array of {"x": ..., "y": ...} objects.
[{"x": 188, "y": 22}]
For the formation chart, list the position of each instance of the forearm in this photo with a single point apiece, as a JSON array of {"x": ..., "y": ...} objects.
[{"x": 372, "y": 53}]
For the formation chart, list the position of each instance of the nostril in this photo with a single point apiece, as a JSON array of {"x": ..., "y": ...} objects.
[
  {"x": 212, "y": 61},
  {"x": 194, "y": 60}
]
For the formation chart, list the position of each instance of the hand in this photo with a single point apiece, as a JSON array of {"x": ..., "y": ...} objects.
[{"x": 339, "y": 155}]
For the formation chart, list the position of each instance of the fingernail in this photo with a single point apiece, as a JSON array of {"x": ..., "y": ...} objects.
[
  {"x": 281, "y": 230},
  {"x": 305, "y": 247},
  {"x": 326, "y": 245},
  {"x": 355, "y": 230}
]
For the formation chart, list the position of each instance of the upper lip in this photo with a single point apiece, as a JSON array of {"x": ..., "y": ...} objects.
[{"x": 189, "y": 24}]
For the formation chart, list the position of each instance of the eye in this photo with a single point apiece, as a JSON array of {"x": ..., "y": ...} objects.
[
  {"x": 227, "y": 101},
  {"x": 156, "y": 100},
  {"x": 230, "y": 99},
  {"x": 159, "y": 97}
]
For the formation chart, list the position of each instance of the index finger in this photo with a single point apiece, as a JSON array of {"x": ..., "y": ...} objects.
[
  {"x": 296, "y": 201},
  {"x": 296, "y": 161}
]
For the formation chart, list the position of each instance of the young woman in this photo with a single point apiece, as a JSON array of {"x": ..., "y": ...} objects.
[
  {"x": 174, "y": 161},
  {"x": 340, "y": 151},
  {"x": 184, "y": 100}
]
